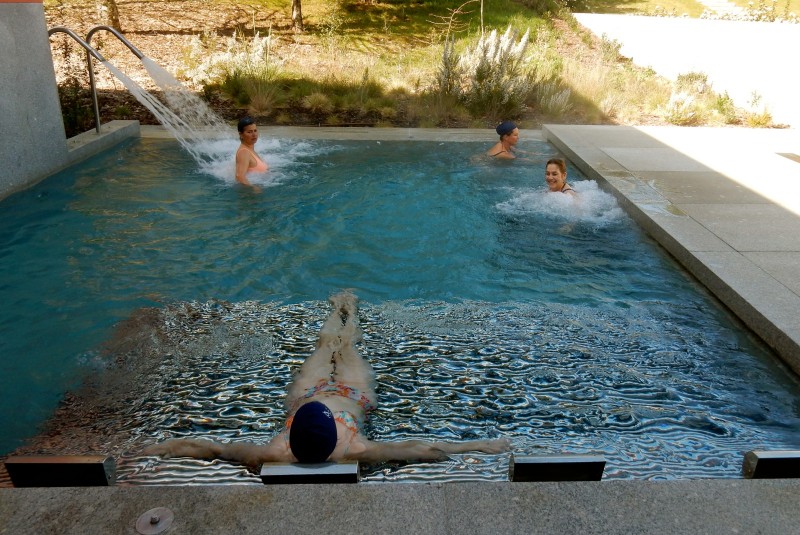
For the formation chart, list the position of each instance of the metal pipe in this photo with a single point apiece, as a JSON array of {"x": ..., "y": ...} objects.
[
  {"x": 89, "y": 53},
  {"x": 118, "y": 35}
]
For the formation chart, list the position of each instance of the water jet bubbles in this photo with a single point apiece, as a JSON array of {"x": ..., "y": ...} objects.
[{"x": 591, "y": 206}]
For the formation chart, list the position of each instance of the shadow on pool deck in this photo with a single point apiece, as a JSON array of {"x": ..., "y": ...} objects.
[{"x": 724, "y": 202}]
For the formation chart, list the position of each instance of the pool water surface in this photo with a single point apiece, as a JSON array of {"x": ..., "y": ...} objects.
[{"x": 490, "y": 308}]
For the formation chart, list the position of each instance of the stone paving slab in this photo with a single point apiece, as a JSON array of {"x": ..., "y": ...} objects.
[
  {"x": 767, "y": 507},
  {"x": 696, "y": 192},
  {"x": 700, "y": 187}
]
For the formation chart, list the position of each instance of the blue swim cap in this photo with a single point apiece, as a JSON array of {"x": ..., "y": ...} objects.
[
  {"x": 505, "y": 128},
  {"x": 312, "y": 436}
]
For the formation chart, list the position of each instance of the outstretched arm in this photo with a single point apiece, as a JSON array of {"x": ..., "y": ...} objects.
[
  {"x": 419, "y": 450},
  {"x": 241, "y": 452}
]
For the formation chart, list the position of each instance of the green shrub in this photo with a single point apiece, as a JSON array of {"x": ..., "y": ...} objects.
[
  {"x": 723, "y": 105},
  {"x": 693, "y": 82},
  {"x": 318, "y": 104},
  {"x": 610, "y": 48},
  {"x": 76, "y": 107}
]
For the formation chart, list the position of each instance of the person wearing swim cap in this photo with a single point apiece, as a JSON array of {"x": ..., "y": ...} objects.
[
  {"x": 327, "y": 407},
  {"x": 247, "y": 161},
  {"x": 509, "y": 136}
]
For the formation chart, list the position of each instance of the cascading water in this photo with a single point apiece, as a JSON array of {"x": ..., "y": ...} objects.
[
  {"x": 196, "y": 127},
  {"x": 196, "y": 114}
]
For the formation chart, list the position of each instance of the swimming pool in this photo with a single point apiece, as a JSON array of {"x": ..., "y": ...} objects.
[{"x": 489, "y": 308}]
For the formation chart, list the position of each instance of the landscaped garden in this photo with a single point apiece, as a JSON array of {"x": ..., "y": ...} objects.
[{"x": 409, "y": 63}]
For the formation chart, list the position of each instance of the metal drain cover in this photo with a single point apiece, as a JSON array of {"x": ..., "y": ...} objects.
[{"x": 155, "y": 521}]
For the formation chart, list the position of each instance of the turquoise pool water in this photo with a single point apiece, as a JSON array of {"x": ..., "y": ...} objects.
[{"x": 490, "y": 308}]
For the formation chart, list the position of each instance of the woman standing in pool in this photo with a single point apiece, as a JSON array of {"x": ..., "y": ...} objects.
[
  {"x": 327, "y": 405},
  {"x": 247, "y": 161},
  {"x": 509, "y": 136},
  {"x": 555, "y": 174}
]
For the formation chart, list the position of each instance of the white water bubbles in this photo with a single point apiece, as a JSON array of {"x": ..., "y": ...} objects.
[
  {"x": 590, "y": 205},
  {"x": 189, "y": 107},
  {"x": 210, "y": 141}
]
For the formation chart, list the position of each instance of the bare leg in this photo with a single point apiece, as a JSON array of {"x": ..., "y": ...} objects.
[{"x": 335, "y": 357}]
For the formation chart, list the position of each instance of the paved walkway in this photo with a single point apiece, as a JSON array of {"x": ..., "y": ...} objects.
[
  {"x": 740, "y": 58},
  {"x": 713, "y": 507}
]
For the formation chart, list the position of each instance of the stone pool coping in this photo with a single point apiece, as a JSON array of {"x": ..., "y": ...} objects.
[
  {"x": 612, "y": 507},
  {"x": 707, "y": 195}
]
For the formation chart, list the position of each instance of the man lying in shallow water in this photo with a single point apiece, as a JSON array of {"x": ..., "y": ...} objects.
[{"x": 327, "y": 405}]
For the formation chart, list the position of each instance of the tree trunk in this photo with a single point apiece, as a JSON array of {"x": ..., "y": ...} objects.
[
  {"x": 297, "y": 15},
  {"x": 111, "y": 11}
]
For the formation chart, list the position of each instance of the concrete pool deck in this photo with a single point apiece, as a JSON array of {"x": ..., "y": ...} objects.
[{"x": 724, "y": 202}]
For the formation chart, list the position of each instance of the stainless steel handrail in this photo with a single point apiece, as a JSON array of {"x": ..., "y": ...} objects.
[
  {"x": 119, "y": 36},
  {"x": 89, "y": 53}
]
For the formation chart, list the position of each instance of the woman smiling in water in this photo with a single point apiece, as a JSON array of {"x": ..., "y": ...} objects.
[{"x": 555, "y": 174}]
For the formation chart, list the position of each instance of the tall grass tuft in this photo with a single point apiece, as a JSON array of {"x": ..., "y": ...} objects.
[
  {"x": 554, "y": 100},
  {"x": 210, "y": 59},
  {"x": 681, "y": 110},
  {"x": 724, "y": 106},
  {"x": 496, "y": 76},
  {"x": 448, "y": 76},
  {"x": 318, "y": 104}
]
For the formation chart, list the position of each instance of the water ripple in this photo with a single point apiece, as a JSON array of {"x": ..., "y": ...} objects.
[{"x": 628, "y": 384}]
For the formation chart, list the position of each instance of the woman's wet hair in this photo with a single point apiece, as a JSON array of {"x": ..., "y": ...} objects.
[
  {"x": 558, "y": 162},
  {"x": 245, "y": 122}
]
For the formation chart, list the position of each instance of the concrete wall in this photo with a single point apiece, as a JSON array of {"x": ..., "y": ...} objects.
[{"x": 32, "y": 140}]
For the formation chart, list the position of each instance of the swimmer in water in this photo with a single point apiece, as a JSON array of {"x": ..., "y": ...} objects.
[
  {"x": 247, "y": 161},
  {"x": 327, "y": 405},
  {"x": 555, "y": 174},
  {"x": 509, "y": 136}
]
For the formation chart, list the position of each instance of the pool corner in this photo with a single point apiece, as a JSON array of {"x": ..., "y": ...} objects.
[{"x": 720, "y": 200}]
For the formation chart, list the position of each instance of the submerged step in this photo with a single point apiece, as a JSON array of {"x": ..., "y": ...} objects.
[
  {"x": 777, "y": 464},
  {"x": 556, "y": 468},
  {"x": 61, "y": 470},
  {"x": 297, "y": 473}
]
